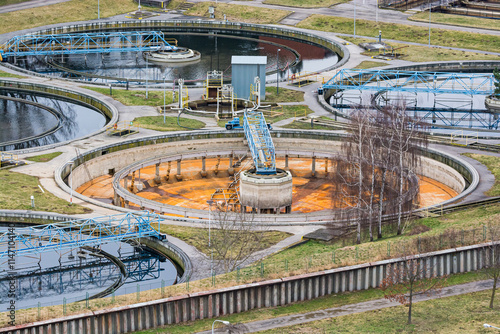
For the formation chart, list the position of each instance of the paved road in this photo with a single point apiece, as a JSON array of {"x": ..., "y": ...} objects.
[
  {"x": 28, "y": 4},
  {"x": 377, "y": 304}
]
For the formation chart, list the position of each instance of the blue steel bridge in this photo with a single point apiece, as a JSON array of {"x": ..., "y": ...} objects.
[
  {"x": 77, "y": 233},
  {"x": 85, "y": 43},
  {"x": 452, "y": 94},
  {"x": 412, "y": 81}
]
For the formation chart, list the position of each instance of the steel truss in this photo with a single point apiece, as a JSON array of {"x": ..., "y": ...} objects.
[
  {"x": 412, "y": 81},
  {"x": 84, "y": 43},
  {"x": 260, "y": 142},
  {"x": 75, "y": 277},
  {"x": 78, "y": 233}
]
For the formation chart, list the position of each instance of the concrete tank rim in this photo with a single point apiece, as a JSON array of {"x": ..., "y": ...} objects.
[{"x": 319, "y": 218}]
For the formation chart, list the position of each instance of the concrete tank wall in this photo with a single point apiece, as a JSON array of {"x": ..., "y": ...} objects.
[{"x": 440, "y": 172}]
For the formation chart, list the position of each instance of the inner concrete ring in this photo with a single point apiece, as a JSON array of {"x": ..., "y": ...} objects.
[{"x": 452, "y": 171}]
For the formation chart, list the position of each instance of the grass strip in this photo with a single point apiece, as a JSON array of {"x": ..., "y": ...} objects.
[
  {"x": 305, "y": 3},
  {"x": 457, "y": 20},
  {"x": 370, "y": 64},
  {"x": 44, "y": 157},
  {"x": 420, "y": 53},
  {"x": 456, "y": 314},
  {"x": 403, "y": 32},
  {"x": 239, "y": 13},
  {"x": 16, "y": 189},
  {"x": 70, "y": 11},
  {"x": 197, "y": 237},
  {"x": 156, "y": 123},
  {"x": 285, "y": 95},
  {"x": 493, "y": 165},
  {"x": 136, "y": 97}
]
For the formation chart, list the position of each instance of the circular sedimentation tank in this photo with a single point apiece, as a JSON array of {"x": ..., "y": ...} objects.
[
  {"x": 152, "y": 183},
  {"x": 214, "y": 47}
]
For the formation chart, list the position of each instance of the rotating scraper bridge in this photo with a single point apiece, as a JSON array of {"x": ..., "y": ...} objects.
[
  {"x": 78, "y": 233},
  {"x": 414, "y": 82},
  {"x": 84, "y": 43}
]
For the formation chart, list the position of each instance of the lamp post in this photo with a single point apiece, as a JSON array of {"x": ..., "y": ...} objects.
[
  {"x": 146, "y": 77},
  {"x": 98, "y": 13},
  {"x": 354, "y": 2},
  {"x": 210, "y": 202},
  {"x": 164, "y": 97},
  {"x": 71, "y": 183},
  {"x": 277, "y": 72},
  {"x": 485, "y": 326},
  {"x": 221, "y": 321},
  {"x": 430, "y": 10}
]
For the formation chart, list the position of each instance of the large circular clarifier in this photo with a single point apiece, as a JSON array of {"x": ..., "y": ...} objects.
[{"x": 266, "y": 193}]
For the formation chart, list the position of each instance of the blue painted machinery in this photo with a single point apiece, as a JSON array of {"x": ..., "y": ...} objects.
[
  {"x": 84, "y": 43},
  {"x": 78, "y": 233},
  {"x": 411, "y": 81},
  {"x": 260, "y": 142}
]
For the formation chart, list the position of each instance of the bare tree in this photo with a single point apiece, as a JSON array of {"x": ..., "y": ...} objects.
[
  {"x": 406, "y": 147},
  {"x": 492, "y": 261},
  {"x": 233, "y": 238},
  {"x": 408, "y": 279}
]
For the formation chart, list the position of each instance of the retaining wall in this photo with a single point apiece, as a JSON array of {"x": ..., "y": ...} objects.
[{"x": 278, "y": 292}]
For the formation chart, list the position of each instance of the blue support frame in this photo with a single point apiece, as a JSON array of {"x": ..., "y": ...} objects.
[
  {"x": 260, "y": 142},
  {"x": 412, "y": 81},
  {"x": 78, "y": 233},
  {"x": 84, "y": 43}
]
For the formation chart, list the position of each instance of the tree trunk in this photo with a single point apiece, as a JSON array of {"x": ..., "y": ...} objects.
[
  {"x": 495, "y": 280},
  {"x": 381, "y": 204},
  {"x": 410, "y": 304},
  {"x": 372, "y": 195},
  {"x": 400, "y": 194}
]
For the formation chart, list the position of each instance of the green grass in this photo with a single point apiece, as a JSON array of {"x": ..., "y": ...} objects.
[
  {"x": 4, "y": 74},
  {"x": 418, "y": 53},
  {"x": 493, "y": 164},
  {"x": 457, "y": 314},
  {"x": 11, "y": 2},
  {"x": 307, "y": 126},
  {"x": 239, "y": 13},
  {"x": 156, "y": 123},
  {"x": 16, "y": 189},
  {"x": 321, "y": 303},
  {"x": 457, "y": 20},
  {"x": 285, "y": 95},
  {"x": 403, "y": 32},
  {"x": 44, "y": 157},
  {"x": 136, "y": 97},
  {"x": 286, "y": 111},
  {"x": 305, "y": 3},
  {"x": 370, "y": 64},
  {"x": 197, "y": 236},
  {"x": 75, "y": 10}
]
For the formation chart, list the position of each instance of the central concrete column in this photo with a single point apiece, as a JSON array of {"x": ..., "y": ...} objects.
[{"x": 178, "y": 176}]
